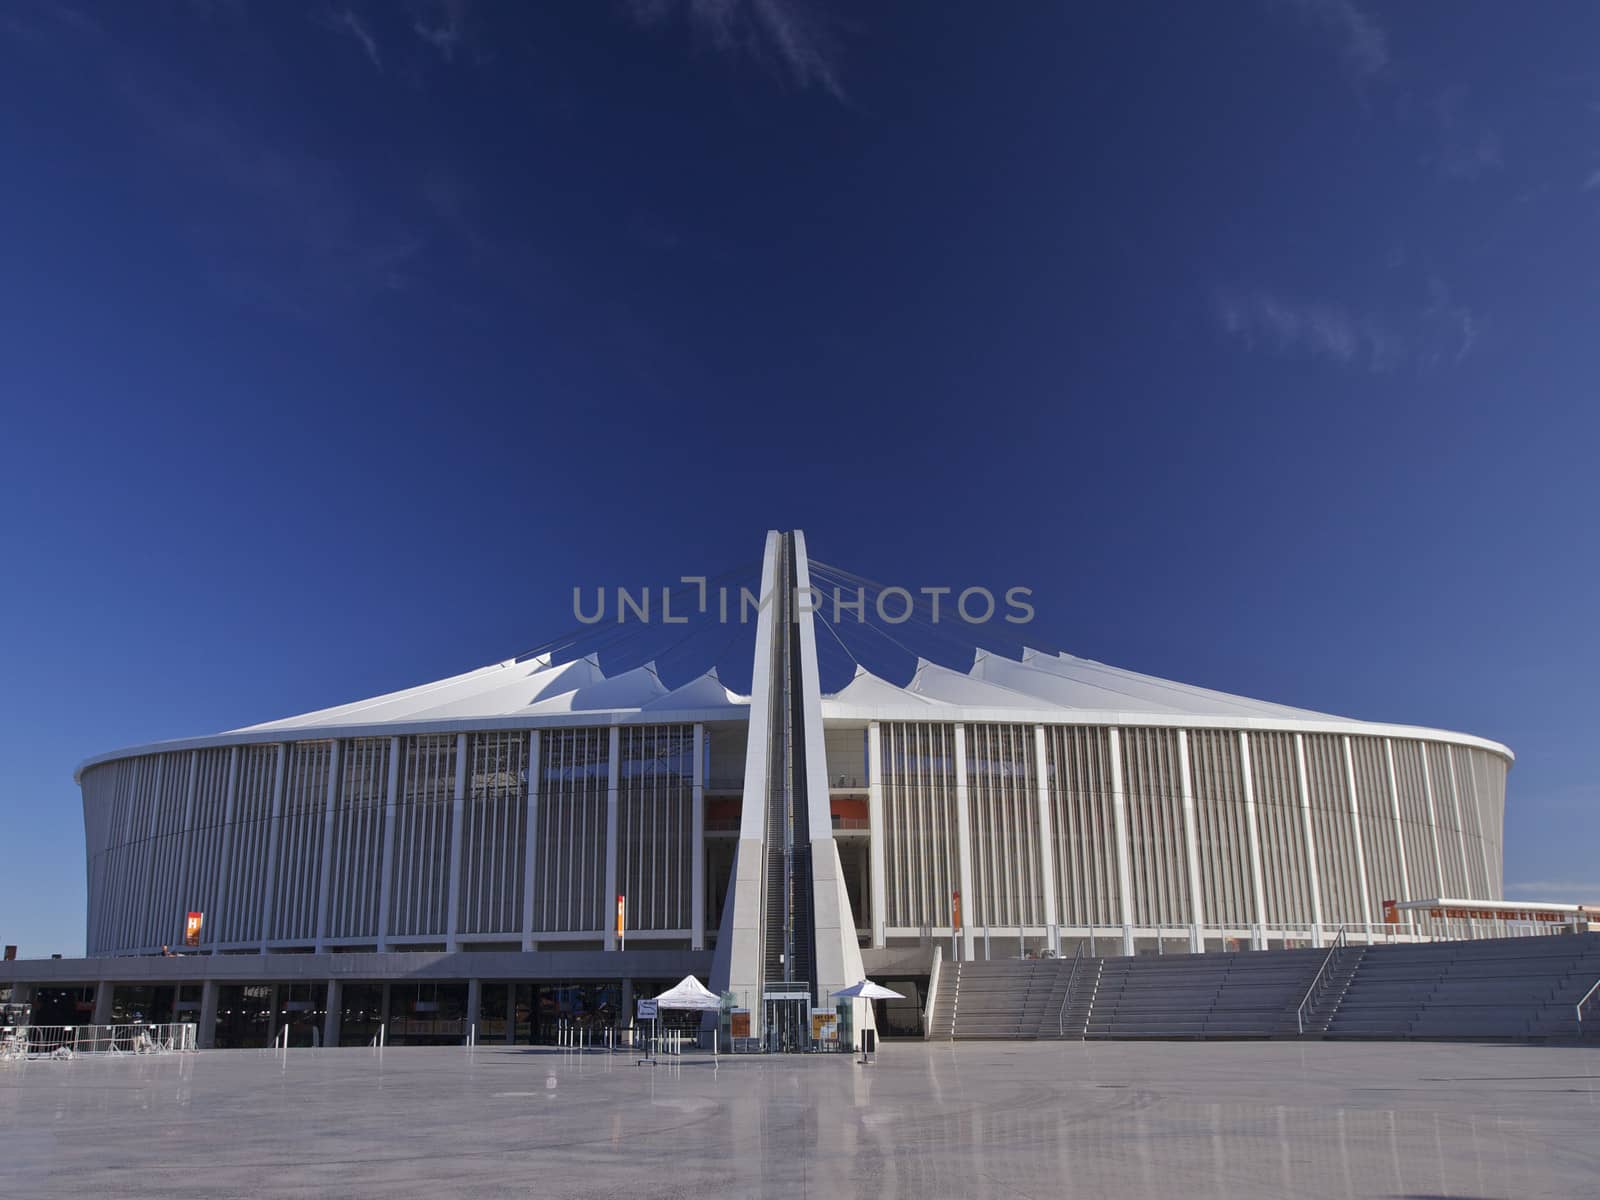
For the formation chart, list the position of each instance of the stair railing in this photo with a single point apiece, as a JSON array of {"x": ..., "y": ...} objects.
[
  {"x": 1300, "y": 1013},
  {"x": 1061, "y": 1018},
  {"x": 1587, "y": 996}
]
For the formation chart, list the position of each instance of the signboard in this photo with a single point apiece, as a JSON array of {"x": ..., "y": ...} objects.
[
  {"x": 824, "y": 1024},
  {"x": 622, "y": 927},
  {"x": 739, "y": 1023},
  {"x": 647, "y": 1010},
  {"x": 955, "y": 909},
  {"x": 1391, "y": 914},
  {"x": 1452, "y": 913},
  {"x": 191, "y": 929}
]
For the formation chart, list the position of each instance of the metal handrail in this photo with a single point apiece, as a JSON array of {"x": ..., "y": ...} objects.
[
  {"x": 1072, "y": 977},
  {"x": 1587, "y": 996},
  {"x": 1300, "y": 1013}
]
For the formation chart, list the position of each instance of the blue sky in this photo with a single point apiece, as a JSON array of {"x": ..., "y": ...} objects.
[{"x": 338, "y": 342}]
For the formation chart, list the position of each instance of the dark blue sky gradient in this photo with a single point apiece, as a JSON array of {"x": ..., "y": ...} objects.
[{"x": 1257, "y": 339}]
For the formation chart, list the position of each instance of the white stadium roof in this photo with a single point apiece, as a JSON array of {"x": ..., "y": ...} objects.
[{"x": 1037, "y": 687}]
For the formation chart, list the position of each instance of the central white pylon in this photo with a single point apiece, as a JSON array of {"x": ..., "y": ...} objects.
[{"x": 788, "y": 935}]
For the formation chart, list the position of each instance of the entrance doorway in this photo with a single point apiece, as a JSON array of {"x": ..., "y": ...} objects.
[{"x": 785, "y": 1024}]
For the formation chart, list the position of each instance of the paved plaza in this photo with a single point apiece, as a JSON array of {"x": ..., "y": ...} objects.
[{"x": 1092, "y": 1119}]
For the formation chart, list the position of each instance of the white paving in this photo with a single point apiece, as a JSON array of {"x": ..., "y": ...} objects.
[{"x": 1086, "y": 1120}]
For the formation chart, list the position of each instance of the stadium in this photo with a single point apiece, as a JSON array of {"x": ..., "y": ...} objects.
[{"x": 536, "y": 842}]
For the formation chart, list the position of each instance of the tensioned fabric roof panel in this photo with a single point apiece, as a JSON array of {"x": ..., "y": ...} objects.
[
  {"x": 705, "y": 691},
  {"x": 1083, "y": 683},
  {"x": 952, "y": 687},
  {"x": 867, "y": 690},
  {"x": 631, "y": 689}
]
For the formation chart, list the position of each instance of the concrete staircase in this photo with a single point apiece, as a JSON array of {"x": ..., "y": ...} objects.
[
  {"x": 1515, "y": 988},
  {"x": 1511, "y": 988},
  {"x": 1002, "y": 998},
  {"x": 1242, "y": 994},
  {"x": 1326, "y": 994}
]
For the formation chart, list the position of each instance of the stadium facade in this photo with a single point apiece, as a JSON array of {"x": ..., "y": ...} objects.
[{"x": 481, "y": 829}]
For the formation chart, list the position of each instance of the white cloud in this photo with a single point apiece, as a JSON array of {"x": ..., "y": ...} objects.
[
  {"x": 1440, "y": 332},
  {"x": 1466, "y": 150},
  {"x": 346, "y": 21},
  {"x": 1471, "y": 158},
  {"x": 1314, "y": 328},
  {"x": 787, "y": 32},
  {"x": 1454, "y": 326},
  {"x": 1556, "y": 891},
  {"x": 1361, "y": 41},
  {"x": 441, "y": 25}
]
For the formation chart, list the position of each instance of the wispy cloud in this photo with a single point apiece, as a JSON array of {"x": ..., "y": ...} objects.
[
  {"x": 1592, "y": 181},
  {"x": 32, "y": 20},
  {"x": 1439, "y": 332},
  {"x": 1452, "y": 328},
  {"x": 1362, "y": 44},
  {"x": 442, "y": 25},
  {"x": 1466, "y": 148},
  {"x": 1314, "y": 328},
  {"x": 345, "y": 21},
  {"x": 1556, "y": 891},
  {"x": 312, "y": 240},
  {"x": 787, "y": 33}
]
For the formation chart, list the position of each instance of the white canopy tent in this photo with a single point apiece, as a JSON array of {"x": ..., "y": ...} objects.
[{"x": 689, "y": 993}]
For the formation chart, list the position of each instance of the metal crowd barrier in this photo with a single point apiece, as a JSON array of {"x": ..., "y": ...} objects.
[{"x": 65, "y": 1041}]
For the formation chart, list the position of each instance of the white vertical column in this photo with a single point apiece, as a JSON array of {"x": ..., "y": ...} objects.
[
  {"x": 1355, "y": 824},
  {"x": 390, "y": 816},
  {"x": 457, "y": 813},
  {"x": 878, "y": 884},
  {"x": 1047, "y": 845},
  {"x": 964, "y": 844},
  {"x": 1311, "y": 840},
  {"x": 157, "y": 796},
  {"x": 224, "y": 867},
  {"x": 327, "y": 846},
  {"x": 1399, "y": 831},
  {"x": 1461, "y": 824},
  {"x": 1258, "y": 887},
  {"x": 535, "y": 772},
  {"x": 1119, "y": 814},
  {"x": 1433, "y": 817},
  {"x": 186, "y": 842},
  {"x": 269, "y": 891},
  {"x": 697, "y": 878},
  {"x": 1191, "y": 846},
  {"x": 608, "y": 910}
]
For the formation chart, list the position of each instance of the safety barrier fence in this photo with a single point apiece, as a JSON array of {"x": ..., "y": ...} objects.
[
  {"x": 65, "y": 1041},
  {"x": 1113, "y": 941}
]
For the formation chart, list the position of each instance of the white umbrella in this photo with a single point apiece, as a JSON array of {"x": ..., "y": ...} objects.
[{"x": 867, "y": 990}]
